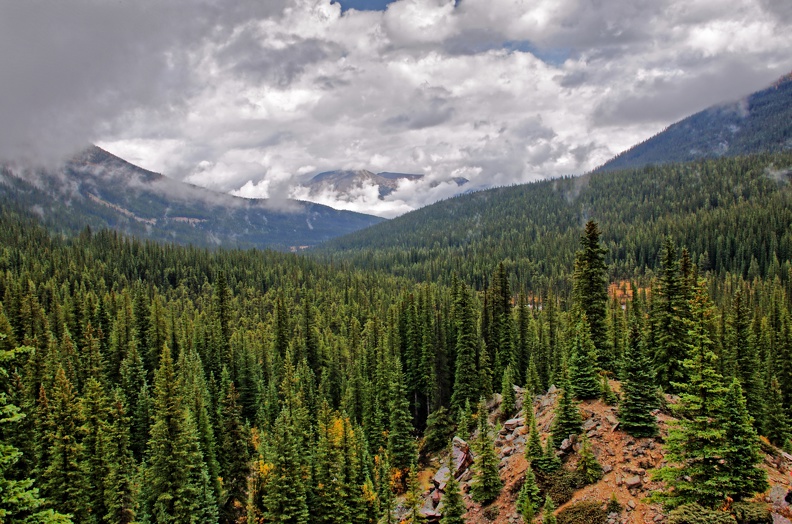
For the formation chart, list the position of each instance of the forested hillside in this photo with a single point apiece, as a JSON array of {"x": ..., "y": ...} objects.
[
  {"x": 761, "y": 122},
  {"x": 156, "y": 383},
  {"x": 732, "y": 214}
]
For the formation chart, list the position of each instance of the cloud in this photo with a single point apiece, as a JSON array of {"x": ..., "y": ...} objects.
[{"x": 254, "y": 97}]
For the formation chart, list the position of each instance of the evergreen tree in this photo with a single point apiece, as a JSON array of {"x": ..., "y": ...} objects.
[
  {"x": 606, "y": 393},
  {"x": 590, "y": 281},
  {"x": 486, "y": 484},
  {"x": 777, "y": 423},
  {"x": 743, "y": 477},
  {"x": 175, "y": 475},
  {"x": 508, "y": 396},
  {"x": 20, "y": 501},
  {"x": 582, "y": 367},
  {"x": 95, "y": 412},
  {"x": 549, "y": 461},
  {"x": 465, "y": 424},
  {"x": 567, "y": 414},
  {"x": 120, "y": 495},
  {"x": 453, "y": 503},
  {"x": 413, "y": 499},
  {"x": 533, "y": 384},
  {"x": 548, "y": 513},
  {"x": 638, "y": 394},
  {"x": 529, "y": 498},
  {"x": 234, "y": 466},
  {"x": 284, "y": 494},
  {"x": 62, "y": 479},
  {"x": 402, "y": 449},
  {"x": 747, "y": 358},
  {"x": 533, "y": 448},
  {"x": 669, "y": 314},
  {"x": 588, "y": 467},
  {"x": 465, "y": 386}
]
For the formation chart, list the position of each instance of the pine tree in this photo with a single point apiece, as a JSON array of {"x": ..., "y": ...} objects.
[
  {"x": 402, "y": 448},
  {"x": 533, "y": 448},
  {"x": 20, "y": 501},
  {"x": 742, "y": 477},
  {"x": 413, "y": 499},
  {"x": 606, "y": 393},
  {"x": 453, "y": 504},
  {"x": 486, "y": 484},
  {"x": 533, "y": 384},
  {"x": 590, "y": 281},
  {"x": 234, "y": 466},
  {"x": 669, "y": 314},
  {"x": 62, "y": 479},
  {"x": 548, "y": 513},
  {"x": 697, "y": 445},
  {"x": 175, "y": 476},
  {"x": 121, "y": 492},
  {"x": 508, "y": 396},
  {"x": 638, "y": 394},
  {"x": 465, "y": 424},
  {"x": 465, "y": 386},
  {"x": 548, "y": 462},
  {"x": 588, "y": 467},
  {"x": 95, "y": 412},
  {"x": 777, "y": 423},
  {"x": 529, "y": 498},
  {"x": 567, "y": 414},
  {"x": 582, "y": 366},
  {"x": 284, "y": 495}
]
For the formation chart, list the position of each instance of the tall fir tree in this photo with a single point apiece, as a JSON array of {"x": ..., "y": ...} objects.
[
  {"x": 234, "y": 458},
  {"x": 668, "y": 316},
  {"x": 453, "y": 504},
  {"x": 529, "y": 499},
  {"x": 121, "y": 490},
  {"x": 486, "y": 484},
  {"x": 508, "y": 396},
  {"x": 465, "y": 384},
  {"x": 583, "y": 379},
  {"x": 567, "y": 414},
  {"x": 590, "y": 283},
  {"x": 639, "y": 397}
]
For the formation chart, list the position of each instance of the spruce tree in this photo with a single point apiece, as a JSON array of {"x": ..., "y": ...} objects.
[
  {"x": 697, "y": 446},
  {"x": 590, "y": 283},
  {"x": 742, "y": 477},
  {"x": 234, "y": 468},
  {"x": 548, "y": 462},
  {"x": 486, "y": 484},
  {"x": 777, "y": 424},
  {"x": 465, "y": 424},
  {"x": 548, "y": 512},
  {"x": 533, "y": 384},
  {"x": 508, "y": 396},
  {"x": 606, "y": 393},
  {"x": 453, "y": 503},
  {"x": 465, "y": 384},
  {"x": 529, "y": 498},
  {"x": 533, "y": 448},
  {"x": 588, "y": 467},
  {"x": 567, "y": 414},
  {"x": 20, "y": 501},
  {"x": 175, "y": 475},
  {"x": 402, "y": 448},
  {"x": 639, "y": 398},
  {"x": 121, "y": 491},
  {"x": 284, "y": 494},
  {"x": 582, "y": 366},
  {"x": 669, "y": 313},
  {"x": 413, "y": 499}
]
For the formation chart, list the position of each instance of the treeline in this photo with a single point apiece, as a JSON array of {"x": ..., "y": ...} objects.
[
  {"x": 732, "y": 214},
  {"x": 150, "y": 383}
]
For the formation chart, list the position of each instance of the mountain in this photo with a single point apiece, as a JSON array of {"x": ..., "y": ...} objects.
[
  {"x": 99, "y": 190},
  {"x": 760, "y": 122},
  {"x": 536, "y": 227},
  {"x": 345, "y": 182}
]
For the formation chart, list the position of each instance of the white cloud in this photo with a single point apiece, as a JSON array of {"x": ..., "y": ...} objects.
[{"x": 254, "y": 97}]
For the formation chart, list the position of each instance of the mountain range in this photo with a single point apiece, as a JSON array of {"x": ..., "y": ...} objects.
[{"x": 100, "y": 190}]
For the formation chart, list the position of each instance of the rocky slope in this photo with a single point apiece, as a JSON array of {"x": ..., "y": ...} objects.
[{"x": 627, "y": 465}]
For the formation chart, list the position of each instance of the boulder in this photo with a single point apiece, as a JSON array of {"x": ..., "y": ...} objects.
[
  {"x": 441, "y": 477},
  {"x": 512, "y": 424},
  {"x": 633, "y": 482},
  {"x": 461, "y": 456}
]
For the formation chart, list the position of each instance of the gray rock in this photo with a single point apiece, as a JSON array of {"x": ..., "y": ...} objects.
[
  {"x": 607, "y": 468},
  {"x": 631, "y": 504},
  {"x": 589, "y": 424},
  {"x": 777, "y": 496},
  {"x": 512, "y": 424},
  {"x": 633, "y": 482},
  {"x": 566, "y": 445},
  {"x": 552, "y": 390},
  {"x": 441, "y": 477}
]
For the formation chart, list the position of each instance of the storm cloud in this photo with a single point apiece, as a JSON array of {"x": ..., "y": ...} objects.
[{"x": 255, "y": 97}]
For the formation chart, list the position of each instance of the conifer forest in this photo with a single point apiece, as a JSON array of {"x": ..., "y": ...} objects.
[{"x": 143, "y": 382}]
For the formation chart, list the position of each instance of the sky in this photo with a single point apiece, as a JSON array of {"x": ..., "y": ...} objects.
[{"x": 254, "y": 97}]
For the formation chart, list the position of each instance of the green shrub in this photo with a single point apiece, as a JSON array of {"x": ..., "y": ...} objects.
[
  {"x": 613, "y": 505},
  {"x": 560, "y": 485},
  {"x": 586, "y": 512},
  {"x": 695, "y": 514},
  {"x": 491, "y": 513},
  {"x": 752, "y": 513}
]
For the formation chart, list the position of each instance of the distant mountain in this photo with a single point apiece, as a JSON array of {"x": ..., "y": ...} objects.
[
  {"x": 98, "y": 189},
  {"x": 345, "y": 182},
  {"x": 761, "y": 122}
]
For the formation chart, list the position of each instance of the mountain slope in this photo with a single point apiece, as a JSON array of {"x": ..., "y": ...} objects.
[
  {"x": 733, "y": 214},
  {"x": 98, "y": 189},
  {"x": 758, "y": 123}
]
